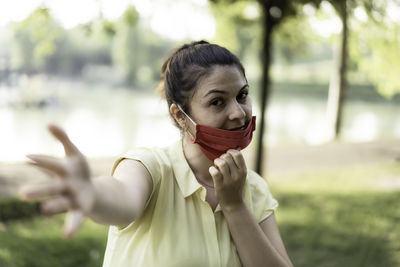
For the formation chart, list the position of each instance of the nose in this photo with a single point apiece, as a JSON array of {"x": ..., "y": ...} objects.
[{"x": 236, "y": 112}]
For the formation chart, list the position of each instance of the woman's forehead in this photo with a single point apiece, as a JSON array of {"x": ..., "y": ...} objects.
[{"x": 221, "y": 78}]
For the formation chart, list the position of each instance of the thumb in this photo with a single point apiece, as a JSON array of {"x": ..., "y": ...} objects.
[
  {"x": 69, "y": 148},
  {"x": 73, "y": 222},
  {"x": 216, "y": 176}
]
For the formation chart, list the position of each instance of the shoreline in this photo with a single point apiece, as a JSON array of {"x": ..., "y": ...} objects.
[{"x": 278, "y": 161}]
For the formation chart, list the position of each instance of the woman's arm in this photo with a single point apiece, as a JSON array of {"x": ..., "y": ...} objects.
[
  {"x": 121, "y": 199},
  {"x": 108, "y": 200},
  {"x": 257, "y": 244}
]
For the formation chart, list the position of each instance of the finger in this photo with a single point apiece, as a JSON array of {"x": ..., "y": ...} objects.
[
  {"x": 222, "y": 166},
  {"x": 49, "y": 163},
  {"x": 69, "y": 148},
  {"x": 237, "y": 158},
  {"x": 73, "y": 222},
  {"x": 46, "y": 190},
  {"x": 230, "y": 162},
  {"x": 45, "y": 171},
  {"x": 216, "y": 176},
  {"x": 56, "y": 205}
]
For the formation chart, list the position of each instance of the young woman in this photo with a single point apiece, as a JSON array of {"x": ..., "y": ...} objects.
[{"x": 194, "y": 203}]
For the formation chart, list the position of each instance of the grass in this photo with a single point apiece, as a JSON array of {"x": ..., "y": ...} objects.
[
  {"x": 348, "y": 217},
  {"x": 39, "y": 242},
  {"x": 339, "y": 217}
]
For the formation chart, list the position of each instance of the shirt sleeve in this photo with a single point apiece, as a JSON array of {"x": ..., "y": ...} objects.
[
  {"x": 148, "y": 158},
  {"x": 263, "y": 203}
]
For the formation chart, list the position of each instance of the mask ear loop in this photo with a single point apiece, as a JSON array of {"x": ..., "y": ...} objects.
[{"x": 181, "y": 109}]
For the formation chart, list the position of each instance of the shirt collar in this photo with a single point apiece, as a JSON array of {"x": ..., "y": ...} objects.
[{"x": 183, "y": 173}]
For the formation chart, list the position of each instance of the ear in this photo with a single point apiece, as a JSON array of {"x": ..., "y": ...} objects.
[{"x": 178, "y": 115}]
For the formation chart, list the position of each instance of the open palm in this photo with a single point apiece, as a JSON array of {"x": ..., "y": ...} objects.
[{"x": 73, "y": 192}]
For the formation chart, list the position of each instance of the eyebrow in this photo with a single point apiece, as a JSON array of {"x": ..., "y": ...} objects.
[{"x": 221, "y": 91}]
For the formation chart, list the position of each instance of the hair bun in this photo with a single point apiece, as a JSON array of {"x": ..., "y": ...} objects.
[{"x": 160, "y": 90}]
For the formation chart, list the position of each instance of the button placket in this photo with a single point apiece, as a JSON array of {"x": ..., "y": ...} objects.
[{"x": 210, "y": 226}]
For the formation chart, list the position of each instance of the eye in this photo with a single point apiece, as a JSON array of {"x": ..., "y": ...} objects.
[
  {"x": 242, "y": 95},
  {"x": 216, "y": 102}
]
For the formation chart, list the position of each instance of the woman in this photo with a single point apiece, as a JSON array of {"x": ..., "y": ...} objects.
[{"x": 191, "y": 204}]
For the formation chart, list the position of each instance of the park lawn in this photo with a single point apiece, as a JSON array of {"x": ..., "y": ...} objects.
[
  {"x": 338, "y": 217},
  {"x": 39, "y": 242}
]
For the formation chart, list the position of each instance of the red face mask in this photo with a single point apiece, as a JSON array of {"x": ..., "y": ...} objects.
[{"x": 214, "y": 142}]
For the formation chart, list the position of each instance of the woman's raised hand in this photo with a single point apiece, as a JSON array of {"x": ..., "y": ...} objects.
[
  {"x": 73, "y": 192},
  {"x": 229, "y": 175}
]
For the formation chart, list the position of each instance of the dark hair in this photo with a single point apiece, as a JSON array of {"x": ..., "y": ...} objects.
[{"x": 189, "y": 63}]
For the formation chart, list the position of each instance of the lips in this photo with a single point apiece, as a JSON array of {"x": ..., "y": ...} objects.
[{"x": 240, "y": 127}]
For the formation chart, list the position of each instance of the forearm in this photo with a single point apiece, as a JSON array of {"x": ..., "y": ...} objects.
[
  {"x": 253, "y": 246},
  {"x": 114, "y": 204}
]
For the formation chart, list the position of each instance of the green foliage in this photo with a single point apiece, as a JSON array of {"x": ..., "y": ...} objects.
[
  {"x": 137, "y": 51},
  {"x": 240, "y": 23},
  {"x": 341, "y": 5},
  {"x": 134, "y": 49},
  {"x": 231, "y": 17},
  {"x": 125, "y": 51},
  {"x": 376, "y": 9},
  {"x": 108, "y": 27},
  {"x": 81, "y": 46},
  {"x": 130, "y": 16},
  {"x": 41, "y": 45},
  {"x": 377, "y": 53},
  {"x": 295, "y": 40},
  {"x": 383, "y": 62},
  {"x": 35, "y": 40}
]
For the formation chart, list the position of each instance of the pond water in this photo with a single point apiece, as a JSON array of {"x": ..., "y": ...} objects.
[{"x": 105, "y": 121}]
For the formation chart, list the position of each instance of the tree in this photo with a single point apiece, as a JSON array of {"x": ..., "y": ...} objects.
[
  {"x": 273, "y": 13},
  {"x": 126, "y": 44},
  {"x": 338, "y": 80},
  {"x": 234, "y": 28},
  {"x": 383, "y": 62},
  {"x": 35, "y": 40},
  {"x": 138, "y": 51},
  {"x": 377, "y": 54},
  {"x": 344, "y": 9}
]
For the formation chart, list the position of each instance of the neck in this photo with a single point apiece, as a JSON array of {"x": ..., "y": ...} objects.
[{"x": 197, "y": 161}]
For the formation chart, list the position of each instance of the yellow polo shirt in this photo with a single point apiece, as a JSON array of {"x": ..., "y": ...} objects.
[{"x": 178, "y": 227}]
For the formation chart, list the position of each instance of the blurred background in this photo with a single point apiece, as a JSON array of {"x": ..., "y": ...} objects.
[{"x": 329, "y": 71}]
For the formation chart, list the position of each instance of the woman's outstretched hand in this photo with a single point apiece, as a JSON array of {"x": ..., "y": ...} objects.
[
  {"x": 229, "y": 175},
  {"x": 73, "y": 192}
]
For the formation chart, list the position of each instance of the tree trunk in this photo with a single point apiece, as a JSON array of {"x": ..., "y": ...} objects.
[
  {"x": 265, "y": 84},
  {"x": 338, "y": 83}
]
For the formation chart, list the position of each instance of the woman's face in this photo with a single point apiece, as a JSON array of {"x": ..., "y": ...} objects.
[{"x": 221, "y": 100}]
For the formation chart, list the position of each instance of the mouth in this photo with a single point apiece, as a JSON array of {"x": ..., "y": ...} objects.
[{"x": 239, "y": 128}]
